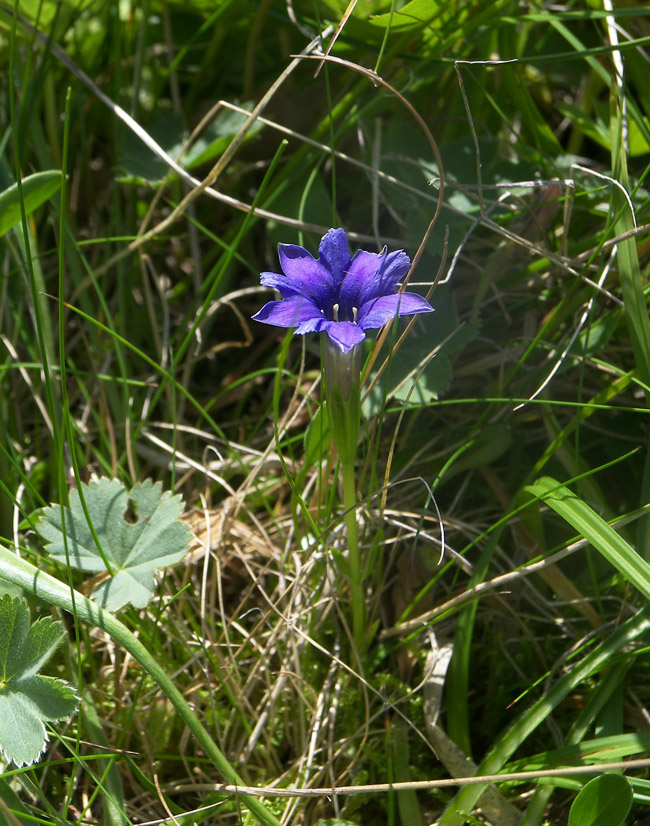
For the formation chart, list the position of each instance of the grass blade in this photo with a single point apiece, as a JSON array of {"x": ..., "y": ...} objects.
[{"x": 594, "y": 528}]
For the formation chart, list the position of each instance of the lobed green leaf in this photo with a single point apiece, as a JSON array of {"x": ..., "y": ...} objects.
[
  {"x": 28, "y": 700},
  {"x": 135, "y": 550}
]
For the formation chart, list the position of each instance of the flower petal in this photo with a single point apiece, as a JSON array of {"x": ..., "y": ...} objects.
[
  {"x": 393, "y": 267},
  {"x": 359, "y": 279},
  {"x": 334, "y": 253},
  {"x": 371, "y": 275},
  {"x": 280, "y": 283},
  {"x": 293, "y": 311},
  {"x": 312, "y": 325},
  {"x": 379, "y": 311},
  {"x": 306, "y": 275},
  {"x": 344, "y": 334}
]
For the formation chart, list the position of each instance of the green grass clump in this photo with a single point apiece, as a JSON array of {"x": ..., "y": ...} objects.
[{"x": 152, "y": 155}]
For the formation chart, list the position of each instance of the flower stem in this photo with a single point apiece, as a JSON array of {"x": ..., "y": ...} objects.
[{"x": 354, "y": 557}]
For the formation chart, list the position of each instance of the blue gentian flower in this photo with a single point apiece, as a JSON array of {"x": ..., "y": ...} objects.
[{"x": 337, "y": 294}]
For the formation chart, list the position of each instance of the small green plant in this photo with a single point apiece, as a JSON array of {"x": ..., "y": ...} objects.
[
  {"x": 342, "y": 297},
  {"x": 95, "y": 535},
  {"x": 28, "y": 699},
  {"x": 433, "y": 567}
]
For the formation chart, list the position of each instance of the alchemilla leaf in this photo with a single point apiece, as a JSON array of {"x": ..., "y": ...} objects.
[
  {"x": 28, "y": 700},
  {"x": 138, "y": 530}
]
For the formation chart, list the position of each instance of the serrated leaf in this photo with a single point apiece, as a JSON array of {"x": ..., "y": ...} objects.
[
  {"x": 604, "y": 801},
  {"x": 24, "y": 649},
  {"x": 36, "y": 189},
  {"x": 27, "y": 699},
  {"x": 135, "y": 550},
  {"x": 51, "y": 696},
  {"x": 406, "y": 379},
  {"x": 43, "y": 638}
]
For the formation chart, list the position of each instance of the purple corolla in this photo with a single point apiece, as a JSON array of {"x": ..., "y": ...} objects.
[{"x": 337, "y": 294}]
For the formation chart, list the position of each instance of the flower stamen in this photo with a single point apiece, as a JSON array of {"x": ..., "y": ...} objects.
[
  {"x": 335, "y": 312},
  {"x": 355, "y": 311}
]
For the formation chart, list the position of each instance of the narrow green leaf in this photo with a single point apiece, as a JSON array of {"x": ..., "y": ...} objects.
[
  {"x": 12, "y": 808},
  {"x": 111, "y": 785},
  {"x": 597, "y": 750},
  {"x": 514, "y": 736},
  {"x": 594, "y": 528},
  {"x": 407, "y": 800},
  {"x": 636, "y": 309},
  {"x": 604, "y": 801},
  {"x": 317, "y": 436},
  {"x": 36, "y": 189}
]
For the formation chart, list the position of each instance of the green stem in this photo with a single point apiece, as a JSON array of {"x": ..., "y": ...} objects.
[
  {"x": 45, "y": 587},
  {"x": 354, "y": 557}
]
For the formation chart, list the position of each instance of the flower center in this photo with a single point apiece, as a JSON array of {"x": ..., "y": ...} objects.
[{"x": 343, "y": 313}]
